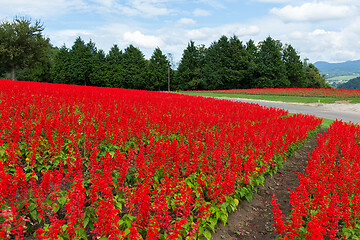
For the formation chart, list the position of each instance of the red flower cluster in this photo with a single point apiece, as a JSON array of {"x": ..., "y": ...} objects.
[
  {"x": 91, "y": 162},
  {"x": 327, "y": 200}
]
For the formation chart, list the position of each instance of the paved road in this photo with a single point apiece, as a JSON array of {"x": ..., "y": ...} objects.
[{"x": 318, "y": 110}]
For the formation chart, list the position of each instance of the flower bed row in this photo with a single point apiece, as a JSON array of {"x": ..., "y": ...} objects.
[
  {"x": 327, "y": 201},
  {"x": 301, "y": 92},
  {"x": 97, "y": 163}
]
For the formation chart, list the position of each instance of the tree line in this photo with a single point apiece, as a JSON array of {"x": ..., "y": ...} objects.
[{"x": 227, "y": 63}]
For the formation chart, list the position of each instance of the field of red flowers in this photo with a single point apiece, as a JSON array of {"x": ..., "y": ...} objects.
[
  {"x": 98, "y": 163},
  {"x": 301, "y": 92},
  {"x": 327, "y": 201}
]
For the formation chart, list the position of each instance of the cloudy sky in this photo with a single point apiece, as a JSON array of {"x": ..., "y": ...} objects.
[{"x": 327, "y": 30}]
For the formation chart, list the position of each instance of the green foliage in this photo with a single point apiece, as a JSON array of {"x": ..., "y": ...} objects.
[
  {"x": 83, "y": 64},
  {"x": 216, "y": 64},
  {"x": 113, "y": 68},
  {"x": 62, "y": 66},
  {"x": 314, "y": 78},
  {"x": 3, "y": 70},
  {"x": 134, "y": 66},
  {"x": 189, "y": 72},
  {"x": 240, "y": 65},
  {"x": 226, "y": 64},
  {"x": 351, "y": 84},
  {"x": 81, "y": 59},
  {"x": 294, "y": 68},
  {"x": 158, "y": 71},
  {"x": 270, "y": 65},
  {"x": 97, "y": 75},
  {"x": 24, "y": 50}
]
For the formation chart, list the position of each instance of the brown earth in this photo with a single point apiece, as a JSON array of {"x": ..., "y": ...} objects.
[{"x": 254, "y": 220}]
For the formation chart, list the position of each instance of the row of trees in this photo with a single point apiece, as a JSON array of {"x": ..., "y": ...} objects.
[
  {"x": 83, "y": 64},
  {"x": 228, "y": 63}
]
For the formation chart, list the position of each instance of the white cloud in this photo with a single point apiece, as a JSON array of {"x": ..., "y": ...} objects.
[
  {"x": 273, "y": 1},
  {"x": 314, "y": 11},
  {"x": 53, "y": 8},
  {"x": 214, "y": 3},
  {"x": 139, "y": 39},
  {"x": 329, "y": 45},
  {"x": 67, "y": 37},
  {"x": 343, "y": 2},
  {"x": 185, "y": 21},
  {"x": 214, "y": 33},
  {"x": 39, "y": 8},
  {"x": 321, "y": 43},
  {"x": 105, "y": 3},
  {"x": 143, "y": 8},
  {"x": 150, "y": 8},
  {"x": 104, "y": 36},
  {"x": 201, "y": 13}
]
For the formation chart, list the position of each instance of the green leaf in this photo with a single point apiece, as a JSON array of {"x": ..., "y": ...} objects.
[
  {"x": 86, "y": 221},
  {"x": 207, "y": 234},
  {"x": 127, "y": 231},
  {"x": 225, "y": 205},
  {"x": 82, "y": 234},
  {"x": 32, "y": 206},
  {"x": 197, "y": 194},
  {"x": 213, "y": 221},
  {"x": 36, "y": 177},
  {"x": 262, "y": 179},
  {"x": 62, "y": 200},
  {"x": 243, "y": 191},
  {"x": 211, "y": 226},
  {"x": 56, "y": 209},
  {"x": 118, "y": 205},
  {"x": 34, "y": 214},
  {"x": 224, "y": 218},
  {"x": 249, "y": 196},
  {"x": 201, "y": 230}
]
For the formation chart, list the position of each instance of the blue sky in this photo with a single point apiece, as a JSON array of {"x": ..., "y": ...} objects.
[{"x": 327, "y": 30}]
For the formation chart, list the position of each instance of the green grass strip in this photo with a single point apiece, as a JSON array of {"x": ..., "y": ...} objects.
[{"x": 275, "y": 97}]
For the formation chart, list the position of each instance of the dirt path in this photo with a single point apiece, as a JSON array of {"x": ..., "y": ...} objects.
[{"x": 254, "y": 220}]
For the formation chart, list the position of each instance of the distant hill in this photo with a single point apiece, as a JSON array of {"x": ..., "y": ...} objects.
[
  {"x": 351, "y": 84},
  {"x": 338, "y": 69}
]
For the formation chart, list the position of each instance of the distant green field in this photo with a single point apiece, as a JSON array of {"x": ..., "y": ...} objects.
[
  {"x": 343, "y": 78},
  {"x": 275, "y": 97}
]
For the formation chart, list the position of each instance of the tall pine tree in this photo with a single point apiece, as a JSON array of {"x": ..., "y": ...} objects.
[
  {"x": 252, "y": 72},
  {"x": 294, "y": 68},
  {"x": 114, "y": 66},
  {"x": 239, "y": 65},
  {"x": 134, "y": 68},
  {"x": 227, "y": 64},
  {"x": 61, "y": 72},
  {"x": 81, "y": 59},
  {"x": 270, "y": 65},
  {"x": 217, "y": 60},
  {"x": 158, "y": 68},
  {"x": 188, "y": 74}
]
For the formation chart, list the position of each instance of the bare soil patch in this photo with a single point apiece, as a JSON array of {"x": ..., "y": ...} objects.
[
  {"x": 343, "y": 102},
  {"x": 254, "y": 220}
]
